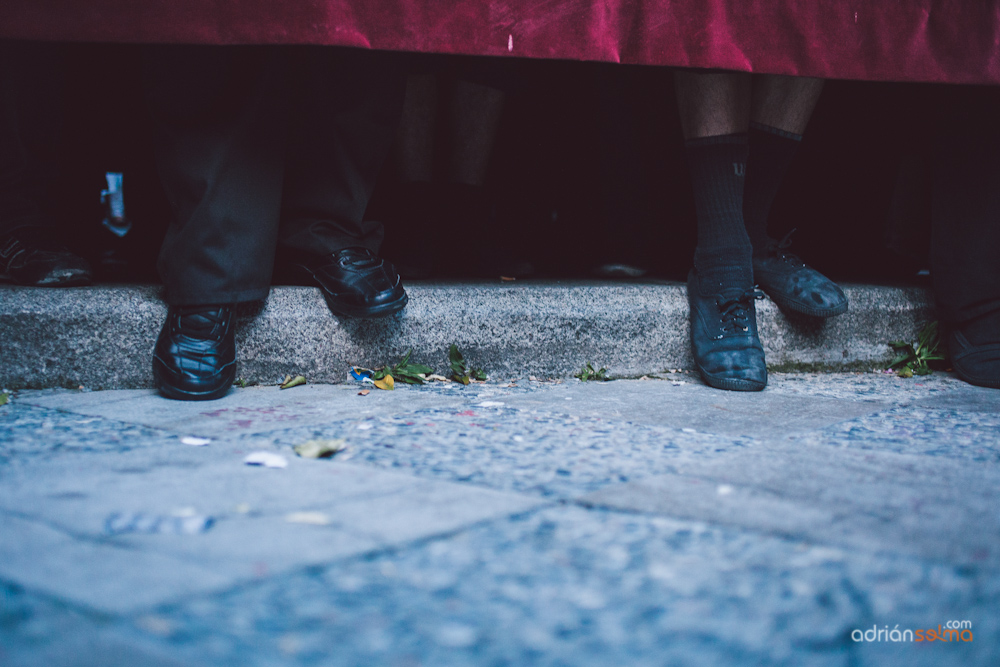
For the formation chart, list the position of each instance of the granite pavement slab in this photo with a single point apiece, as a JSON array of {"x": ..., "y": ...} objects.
[{"x": 646, "y": 522}]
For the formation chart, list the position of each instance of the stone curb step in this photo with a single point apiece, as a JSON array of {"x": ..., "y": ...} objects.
[{"x": 102, "y": 337}]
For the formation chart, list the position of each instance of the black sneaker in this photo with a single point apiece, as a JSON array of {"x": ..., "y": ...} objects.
[
  {"x": 795, "y": 286},
  {"x": 356, "y": 283},
  {"x": 28, "y": 258},
  {"x": 195, "y": 355},
  {"x": 727, "y": 350},
  {"x": 619, "y": 271}
]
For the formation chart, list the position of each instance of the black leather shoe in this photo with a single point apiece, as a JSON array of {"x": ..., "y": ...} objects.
[
  {"x": 797, "y": 287},
  {"x": 28, "y": 258},
  {"x": 357, "y": 283},
  {"x": 976, "y": 364},
  {"x": 195, "y": 355},
  {"x": 727, "y": 350}
]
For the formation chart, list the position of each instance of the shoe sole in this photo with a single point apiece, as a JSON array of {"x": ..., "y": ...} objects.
[
  {"x": 169, "y": 391},
  {"x": 619, "y": 271},
  {"x": 975, "y": 381},
  {"x": 730, "y": 384},
  {"x": 340, "y": 310},
  {"x": 381, "y": 310},
  {"x": 806, "y": 310},
  {"x": 64, "y": 279}
]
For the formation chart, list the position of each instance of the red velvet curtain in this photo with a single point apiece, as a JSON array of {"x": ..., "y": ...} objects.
[{"x": 954, "y": 41}]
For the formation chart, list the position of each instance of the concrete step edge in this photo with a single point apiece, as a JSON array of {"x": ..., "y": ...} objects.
[{"x": 102, "y": 337}]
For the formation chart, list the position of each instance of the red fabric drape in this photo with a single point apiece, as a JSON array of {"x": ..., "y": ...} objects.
[{"x": 955, "y": 41}]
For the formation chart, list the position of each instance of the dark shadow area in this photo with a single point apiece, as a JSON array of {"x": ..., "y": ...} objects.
[{"x": 587, "y": 169}]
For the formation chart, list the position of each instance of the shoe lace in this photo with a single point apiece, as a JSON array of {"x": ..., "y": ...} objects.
[
  {"x": 361, "y": 258},
  {"x": 735, "y": 311},
  {"x": 201, "y": 319},
  {"x": 780, "y": 253}
]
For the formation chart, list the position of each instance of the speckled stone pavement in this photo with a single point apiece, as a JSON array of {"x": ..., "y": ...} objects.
[{"x": 633, "y": 522}]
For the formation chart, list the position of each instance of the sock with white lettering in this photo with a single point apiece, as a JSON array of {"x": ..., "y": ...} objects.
[{"x": 717, "y": 165}]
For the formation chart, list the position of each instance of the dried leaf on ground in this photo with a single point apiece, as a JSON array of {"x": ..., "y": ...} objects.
[
  {"x": 386, "y": 383},
  {"x": 434, "y": 377},
  {"x": 364, "y": 392},
  {"x": 320, "y": 449},
  {"x": 292, "y": 381}
]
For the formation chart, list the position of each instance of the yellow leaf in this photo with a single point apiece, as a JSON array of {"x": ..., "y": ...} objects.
[
  {"x": 320, "y": 449},
  {"x": 386, "y": 383},
  {"x": 292, "y": 382}
]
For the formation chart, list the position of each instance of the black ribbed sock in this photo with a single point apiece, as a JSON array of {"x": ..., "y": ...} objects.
[
  {"x": 771, "y": 152},
  {"x": 717, "y": 165}
]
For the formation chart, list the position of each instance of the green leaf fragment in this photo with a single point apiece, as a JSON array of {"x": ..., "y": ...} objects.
[
  {"x": 587, "y": 374},
  {"x": 4, "y": 399},
  {"x": 914, "y": 358},
  {"x": 457, "y": 361}
]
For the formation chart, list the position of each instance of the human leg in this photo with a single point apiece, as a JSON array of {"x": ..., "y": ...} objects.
[
  {"x": 347, "y": 107},
  {"x": 966, "y": 233},
  {"x": 219, "y": 117},
  {"x": 780, "y": 110},
  {"x": 31, "y": 252},
  {"x": 714, "y": 112},
  {"x": 475, "y": 108}
]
